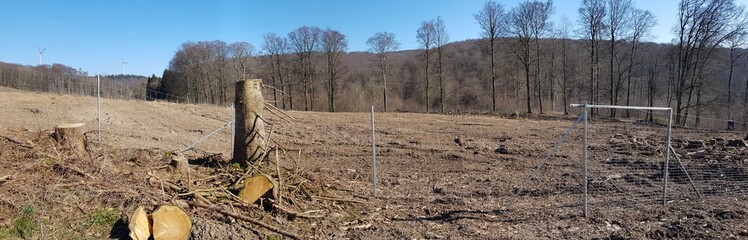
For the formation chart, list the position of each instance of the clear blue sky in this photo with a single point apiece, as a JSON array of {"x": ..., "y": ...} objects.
[{"x": 92, "y": 35}]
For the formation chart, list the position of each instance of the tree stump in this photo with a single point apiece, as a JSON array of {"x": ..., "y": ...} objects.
[
  {"x": 70, "y": 138},
  {"x": 249, "y": 140}
]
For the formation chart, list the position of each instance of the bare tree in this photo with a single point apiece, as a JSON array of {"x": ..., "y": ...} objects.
[
  {"x": 641, "y": 23},
  {"x": 440, "y": 39},
  {"x": 334, "y": 45},
  {"x": 591, "y": 15},
  {"x": 734, "y": 43},
  {"x": 617, "y": 19},
  {"x": 703, "y": 25},
  {"x": 425, "y": 37},
  {"x": 528, "y": 22},
  {"x": 240, "y": 55},
  {"x": 492, "y": 20},
  {"x": 539, "y": 25},
  {"x": 277, "y": 47},
  {"x": 520, "y": 27},
  {"x": 382, "y": 43},
  {"x": 304, "y": 41},
  {"x": 565, "y": 33}
]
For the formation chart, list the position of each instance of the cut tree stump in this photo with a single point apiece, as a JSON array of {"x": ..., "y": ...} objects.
[
  {"x": 70, "y": 138},
  {"x": 249, "y": 140}
]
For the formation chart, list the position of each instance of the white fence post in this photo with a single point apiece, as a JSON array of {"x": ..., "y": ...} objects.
[
  {"x": 373, "y": 153},
  {"x": 233, "y": 126},
  {"x": 667, "y": 158},
  {"x": 584, "y": 154},
  {"x": 98, "y": 107}
]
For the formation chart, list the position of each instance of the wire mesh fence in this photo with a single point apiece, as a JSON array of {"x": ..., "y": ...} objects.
[
  {"x": 87, "y": 86},
  {"x": 628, "y": 166}
]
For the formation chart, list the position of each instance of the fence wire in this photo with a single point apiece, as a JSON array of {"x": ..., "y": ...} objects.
[{"x": 626, "y": 168}]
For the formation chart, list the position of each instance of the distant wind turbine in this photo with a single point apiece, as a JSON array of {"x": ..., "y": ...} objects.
[
  {"x": 123, "y": 64},
  {"x": 41, "y": 51}
]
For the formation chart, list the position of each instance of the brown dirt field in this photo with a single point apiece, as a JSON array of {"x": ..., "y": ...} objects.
[{"x": 440, "y": 176}]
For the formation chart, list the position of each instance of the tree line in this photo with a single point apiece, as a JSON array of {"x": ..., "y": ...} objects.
[{"x": 522, "y": 62}]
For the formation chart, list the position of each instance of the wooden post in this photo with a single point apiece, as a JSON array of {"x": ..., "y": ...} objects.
[{"x": 249, "y": 141}]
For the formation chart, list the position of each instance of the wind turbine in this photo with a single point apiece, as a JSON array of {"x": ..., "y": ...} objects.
[
  {"x": 41, "y": 51},
  {"x": 123, "y": 64}
]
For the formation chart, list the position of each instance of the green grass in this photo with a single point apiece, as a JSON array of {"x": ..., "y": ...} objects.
[
  {"x": 104, "y": 217},
  {"x": 24, "y": 226}
]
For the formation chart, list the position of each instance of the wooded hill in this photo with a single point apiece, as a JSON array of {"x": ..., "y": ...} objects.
[
  {"x": 467, "y": 80},
  {"x": 522, "y": 63}
]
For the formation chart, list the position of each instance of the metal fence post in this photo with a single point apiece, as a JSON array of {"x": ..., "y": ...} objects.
[
  {"x": 98, "y": 107},
  {"x": 373, "y": 153},
  {"x": 584, "y": 154},
  {"x": 667, "y": 159},
  {"x": 233, "y": 126}
]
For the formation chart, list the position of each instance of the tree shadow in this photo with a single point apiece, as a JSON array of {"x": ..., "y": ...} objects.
[{"x": 120, "y": 230}]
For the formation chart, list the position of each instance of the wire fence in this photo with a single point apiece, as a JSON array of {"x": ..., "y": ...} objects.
[
  {"x": 627, "y": 167},
  {"x": 87, "y": 86}
]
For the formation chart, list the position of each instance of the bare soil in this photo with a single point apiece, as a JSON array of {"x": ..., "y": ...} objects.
[{"x": 439, "y": 176}]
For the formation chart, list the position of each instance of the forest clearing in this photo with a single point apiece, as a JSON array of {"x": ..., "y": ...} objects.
[{"x": 439, "y": 176}]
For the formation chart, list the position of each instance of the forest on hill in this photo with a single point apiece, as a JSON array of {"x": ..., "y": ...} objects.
[{"x": 521, "y": 63}]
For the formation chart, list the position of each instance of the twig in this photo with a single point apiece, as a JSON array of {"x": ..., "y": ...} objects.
[
  {"x": 244, "y": 218},
  {"x": 164, "y": 182},
  {"x": 279, "y": 207},
  {"x": 73, "y": 170},
  {"x": 18, "y": 142},
  {"x": 280, "y": 113},
  {"x": 6, "y": 178},
  {"x": 338, "y": 199},
  {"x": 280, "y": 177}
]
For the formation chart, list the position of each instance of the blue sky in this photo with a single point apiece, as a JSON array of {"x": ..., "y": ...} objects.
[{"x": 92, "y": 35}]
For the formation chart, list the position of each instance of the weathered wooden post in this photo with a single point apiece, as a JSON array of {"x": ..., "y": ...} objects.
[{"x": 249, "y": 140}]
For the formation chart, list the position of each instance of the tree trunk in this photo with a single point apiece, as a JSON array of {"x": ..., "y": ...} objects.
[
  {"x": 428, "y": 97},
  {"x": 384, "y": 79},
  {"x": 70, "y": 138},
  {"x": 493, "y": 75},
  {"x": 249, "y": 141}
]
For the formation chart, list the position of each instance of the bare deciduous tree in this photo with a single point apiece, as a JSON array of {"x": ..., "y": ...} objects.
[
  {"x": 734, "y": 43},
  {"x": 703, "y": 25},
  {"x": 528, "y": 22},
  {"x": 381, "y": 44},
  {"x": 440, "y": 39},
  {"x": 539, "y": 25},
  {"x": 617, "y": 18},
  {"x": 591, "y": 15},
  {"x": 565, "y": 33},
  {"x": 492, "y": 21},
  {"x": 276, "y": 48},
  {"x": 334, "y": 45},
  {"x": 425, "y": 37},
  {"x": 642, "y": 22},
  {"x": 304, "y": 41}
]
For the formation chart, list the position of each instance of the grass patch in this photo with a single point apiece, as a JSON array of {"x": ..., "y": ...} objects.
[
  {"x": 104, "y": 217},
  {"x": 24, "y": 226}
]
